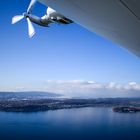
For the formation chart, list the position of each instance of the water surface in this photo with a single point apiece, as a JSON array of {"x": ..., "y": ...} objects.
[{"x": 71, "y": 124}]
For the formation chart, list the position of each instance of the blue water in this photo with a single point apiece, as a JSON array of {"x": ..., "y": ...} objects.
[{"x": 70, "y": 124}]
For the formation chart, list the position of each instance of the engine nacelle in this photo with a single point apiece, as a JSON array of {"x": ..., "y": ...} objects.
[{"x": 51, "y": 12}]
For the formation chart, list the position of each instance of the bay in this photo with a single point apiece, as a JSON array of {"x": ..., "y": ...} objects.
[{"x": 90, "y": 123}]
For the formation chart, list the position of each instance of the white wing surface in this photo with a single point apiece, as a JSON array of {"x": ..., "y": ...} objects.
[{"x": 117, "y": 20}]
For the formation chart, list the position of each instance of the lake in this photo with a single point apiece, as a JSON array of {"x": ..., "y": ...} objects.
[{"x": 70, "y": 124}]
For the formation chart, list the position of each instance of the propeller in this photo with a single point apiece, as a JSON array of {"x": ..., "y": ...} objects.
[{"x": 15, "y": 19}]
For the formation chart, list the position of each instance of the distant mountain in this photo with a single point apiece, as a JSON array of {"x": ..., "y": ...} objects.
[{"x": 27, "y": 95}]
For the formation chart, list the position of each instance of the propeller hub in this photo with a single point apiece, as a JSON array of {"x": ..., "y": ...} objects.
[{"x": 26, "y": 15}]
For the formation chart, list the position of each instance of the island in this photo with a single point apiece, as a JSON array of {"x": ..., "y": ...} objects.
[{"x": 126, "y": 109}]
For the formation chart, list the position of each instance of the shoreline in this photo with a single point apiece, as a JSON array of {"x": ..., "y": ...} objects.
[{"x": 39, "y": 105}]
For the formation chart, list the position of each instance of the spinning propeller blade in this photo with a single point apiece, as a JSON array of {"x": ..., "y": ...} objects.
[
  {"x": 17, "y": 18},
  {"x": 31, "y": 6},
  {"x": 31, "y": 30}
]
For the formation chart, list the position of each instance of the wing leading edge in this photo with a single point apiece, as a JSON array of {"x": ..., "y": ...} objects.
[{"x": 117, "y": 20}]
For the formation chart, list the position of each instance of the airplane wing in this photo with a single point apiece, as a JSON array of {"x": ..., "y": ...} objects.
[{"x": 117, "y": 20}]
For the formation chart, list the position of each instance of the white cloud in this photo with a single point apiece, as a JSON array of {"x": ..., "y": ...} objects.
[
  {"x": 82, "y": 88},
  {"x": 92, "y": 89}
]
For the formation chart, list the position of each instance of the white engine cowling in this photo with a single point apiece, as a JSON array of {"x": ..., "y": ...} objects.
[{"x": 50, "y": 11}]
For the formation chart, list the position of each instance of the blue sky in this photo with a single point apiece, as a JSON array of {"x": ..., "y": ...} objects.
[{"x": 58, "y": 53}]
